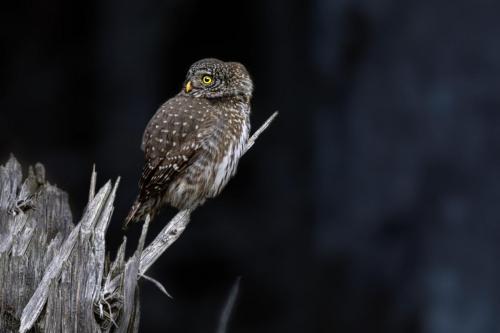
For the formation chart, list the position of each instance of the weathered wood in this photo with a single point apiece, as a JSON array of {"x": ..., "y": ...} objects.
[{"x": 54, "y": 275}]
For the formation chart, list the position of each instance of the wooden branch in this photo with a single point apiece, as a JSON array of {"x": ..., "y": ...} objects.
[
  {"x": 258, "y": 132},
  {"x": 167, "y": 236},
  {"x": 54, "y": 275}
]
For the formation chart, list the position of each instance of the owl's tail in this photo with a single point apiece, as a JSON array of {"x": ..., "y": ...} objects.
[{"x": 139, "y": 211}]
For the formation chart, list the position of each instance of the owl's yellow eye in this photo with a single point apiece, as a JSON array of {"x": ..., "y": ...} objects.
[{"x": 206, "y": 80}]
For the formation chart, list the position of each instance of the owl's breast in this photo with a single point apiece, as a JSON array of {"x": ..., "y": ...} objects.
[{"x": 235, "y": 140}]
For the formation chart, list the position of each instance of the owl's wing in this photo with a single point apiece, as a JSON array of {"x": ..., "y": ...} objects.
[
  {"x": 147, "y": 133},
  {"x": 143, "y": 143},
  {"x": 158, "y": 173},
  {"x": 156, "y": 121},
  {"x": 172, "y": 140}
]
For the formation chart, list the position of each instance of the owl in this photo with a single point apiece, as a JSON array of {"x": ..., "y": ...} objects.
[{"x": 193, "y": 143}]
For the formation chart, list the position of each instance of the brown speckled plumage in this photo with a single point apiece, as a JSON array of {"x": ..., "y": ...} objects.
[{"x": 194, "y": 141}]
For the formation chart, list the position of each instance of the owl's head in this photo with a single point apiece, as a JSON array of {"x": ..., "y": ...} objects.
[{"x": 212, "y": 78}]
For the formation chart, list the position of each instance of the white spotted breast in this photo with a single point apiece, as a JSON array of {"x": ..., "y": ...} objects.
[{"x": 237, "y": 129}]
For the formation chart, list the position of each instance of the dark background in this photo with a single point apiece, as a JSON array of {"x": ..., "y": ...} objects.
[{"x": 370, "y": 205}]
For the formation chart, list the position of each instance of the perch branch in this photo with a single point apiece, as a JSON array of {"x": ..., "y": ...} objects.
[
  {"x": 261, "y": 129},
  {"x": 167, "y": 236}
]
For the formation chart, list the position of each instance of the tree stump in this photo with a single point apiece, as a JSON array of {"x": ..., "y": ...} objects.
[{"x": 54, "y": 275}]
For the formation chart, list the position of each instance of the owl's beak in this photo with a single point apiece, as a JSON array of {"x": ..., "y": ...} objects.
[{"x": 189, "y": 86}]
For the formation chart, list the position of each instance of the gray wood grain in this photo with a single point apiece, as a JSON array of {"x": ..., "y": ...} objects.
[{"x": 53, "y": 273}]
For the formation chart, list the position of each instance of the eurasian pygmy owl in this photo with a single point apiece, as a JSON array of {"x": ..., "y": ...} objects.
[{"x": 193, "y": 143}]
